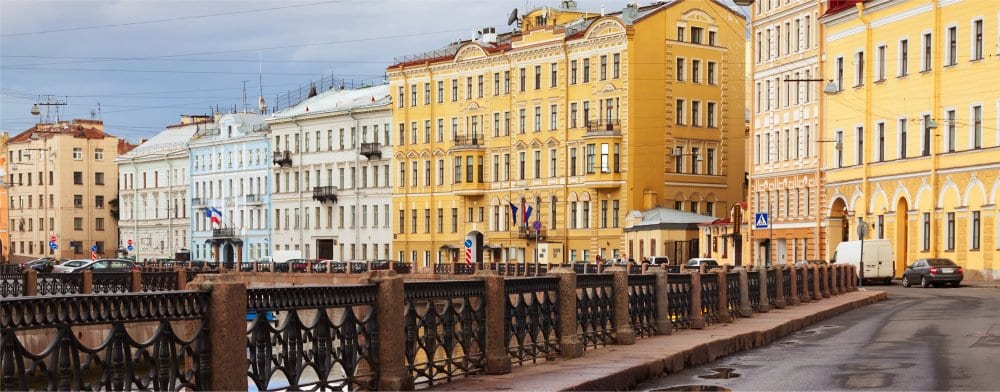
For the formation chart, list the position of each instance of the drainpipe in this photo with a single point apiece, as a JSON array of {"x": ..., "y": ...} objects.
[
  {"x": 936, "y": 98},
  {"x": 868, "y": 80}
]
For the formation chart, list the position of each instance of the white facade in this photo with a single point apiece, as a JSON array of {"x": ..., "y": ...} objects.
[
  {"x": 332, "y": 178},
  {"x": 153, "y": 188}
]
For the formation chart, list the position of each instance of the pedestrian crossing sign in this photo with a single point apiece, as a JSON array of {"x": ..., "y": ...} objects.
[{"x": 761, "y": 221}]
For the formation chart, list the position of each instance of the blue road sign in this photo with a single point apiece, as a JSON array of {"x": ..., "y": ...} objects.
[
  {"x": 93, "y": 248},
  {"x": 130, "y": 248},
  {"x": 761, "y": 221},
  {"x": 536, "y": 225},
  {"x": 53, "y": 245},
  {"x": 468, "y": 243}
]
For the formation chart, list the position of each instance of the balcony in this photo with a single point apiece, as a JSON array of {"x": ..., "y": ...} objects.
[
  {"x": 527, "y": 233},
  {"x": 197, "y": 202},
  {"x": 254, "y": 199},
  {"x": 223, "y": 233},
  {"x": 604, "y": 128},
  {"x": 325, "y": 194},
  {"x": 466, "y": 142},
  {"x": 370, "y": 150},
  {"x": 603, "y": 178},
  {"x": 474, "y": 188},
  {"x": 283, "y": 158}
]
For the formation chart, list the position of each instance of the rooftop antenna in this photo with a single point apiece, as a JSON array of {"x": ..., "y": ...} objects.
[
  {"x": 244, "y": 96},
  {"x": 48, "y": 102},
  {"x": 261, "y": 105},
  {"x": 99, "y": 116}
]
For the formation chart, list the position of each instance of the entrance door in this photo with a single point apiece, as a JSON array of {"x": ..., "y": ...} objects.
[
  {"x": 782, "y": 249},
  {"x": 228, "y": 255},
  {"x": 324, "y": 249}
]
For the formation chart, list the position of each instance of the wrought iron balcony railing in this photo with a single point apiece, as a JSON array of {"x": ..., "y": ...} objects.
[
  {"x": 325, "y": 193},
  {"x": 283, "y": 158},
  {"x": 370, "y": 150}
]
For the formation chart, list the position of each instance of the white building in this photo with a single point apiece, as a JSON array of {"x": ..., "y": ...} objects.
[
  {"x": 332, "y": 183},
  {"x": 153, "y": 189}
]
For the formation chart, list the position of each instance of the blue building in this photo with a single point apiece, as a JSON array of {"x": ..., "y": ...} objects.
[{"x": 230, "y": 190}]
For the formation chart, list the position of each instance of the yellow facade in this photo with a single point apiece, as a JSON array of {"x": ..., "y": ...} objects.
[
  {"x": 4, "y": 201},
  {"x": 565, "y": 117},
  {"x": 785, "y": 176},
  {"x": 917, "y": 117}
]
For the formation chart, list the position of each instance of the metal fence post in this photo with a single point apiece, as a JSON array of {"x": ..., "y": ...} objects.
[
  {"x": 624, "y": 334},
  {"x": 497, "y": 359},
  {"x": 226, "y": 328},
  {"x": 697, "y": 317},
  {"x": 765, "y": 304},
  {"x": 779, "y": 287},
  {"x": 87, "y": 284},
  {"x": 29, "y": 286},
  {"x": 745, "y": 309},
  {"x": 570, "y": 345},
  {"x": 391, "y": 355},
  {"x": 663, "y": 324},
  {"x": 723, "y": 304}
]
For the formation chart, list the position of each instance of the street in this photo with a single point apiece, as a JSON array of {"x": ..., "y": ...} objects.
[{"x": 919, "y": 339}]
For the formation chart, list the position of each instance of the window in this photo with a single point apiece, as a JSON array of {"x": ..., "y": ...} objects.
[
  {"x": 572, "y": 72},
  {"x": 904, "y": 57},
  {"x": 605, "y": 158},
  {"x": 712, "y": 39},
  {"x": 506, "y": 82},
  {"x": 950, "y": 232},
  {"x": 977, "y": 127},
  {"x": 839, "y": 157},
  {"x": 952, "y": 46},
  {"x": 479, "y": 86},
  {"x": 710, "y": 113},
  {"x": 710, "y": 161},
  {"x": 521, "y": 165},
  {"x": 98, "y": 178},
  {"x": 538, "y": 164},
  {"x": 77, "y": 154},
  {"x": 880, "y": 227},
  {"x": 98, "y": 201},
  {"x": 926, "y": 139},
  {"x": 859, "y": 153},
  {"x": 925, "y": 244},
  {"x": 468, "y": 87},
  {"x": 427, "y": 98},
  {"x": 975, "y": 229},
  {"x": 680, "y": 33},
  {"x": 679, "y": 112},
  {"x": 454, "y": 90},
  {"x": 616, "y": 63},
  {"x": 840, "y": 73},
  {"x": 522, "y": 79},
  {"x": 586, "y": 70},
  {"x": 695, "y": 156},
  {"x": 552, "y": 117},
  {"x": 413, "y": 95},
  {"x": 591, "y": 158},
  {"x": 859, "y": 69},
  {"x": 880, "y": 64},
  {"x": 696, "y": 113},
  {"x": 902, "y": 138},
  {"x": 679, "y": 159},
  {"x": 572, "y": 162},
  {"x": 78, "y": 178},
  {"x": 552, "y": 162},
  {"x": 99, "y": 154},
  {"x": 440, "y": 91},
  {"x": 711, "y": 73},
  {"x": 602, "y": 73},
  {"x": 538, "y": 118},
  {"x": 78, "y": 224},
  {"x": 680, "y": 69},
  {"x": 950, "y": 131},
  {"x": 977, "y": 40},
  {"x": 928, "y": 51},
  {"x": 617, "y": 158},
  {"x": 99, "y": 224},
  {"x": 696, "y": 35},
  {"x": 880, "y": 153},
  {"x": 553, "y": 75},
  {"x": 538, "y": 77},
  {"x": 523, "y": 114}
]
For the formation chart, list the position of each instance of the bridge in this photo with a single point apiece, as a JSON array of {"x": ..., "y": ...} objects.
[{"x": 382, "y": 333}]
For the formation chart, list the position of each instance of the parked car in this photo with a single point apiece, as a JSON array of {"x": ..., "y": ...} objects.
[
  {"x": 933, "y": 272},
  {"x": 298, "y": 265},
  {"x": 265, "y": 264},
  {"x": 877, "y": 256},
  {"x": 697, "y": 262},
  {"x": 97, "y": 266},
  {"x": 803, "y": 263},
  {"x": 45, "y": 264},
  {"x": 658, "y": 260}
]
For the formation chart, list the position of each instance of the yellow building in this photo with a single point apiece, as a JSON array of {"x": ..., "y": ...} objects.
[
  {"x": 63, "y": 184},
  {"x": 785, "y": 176},
  {"x": 915, "y": 115},
  {"x": 4, "y": 201},
  {"x": 577, "y": 116}
]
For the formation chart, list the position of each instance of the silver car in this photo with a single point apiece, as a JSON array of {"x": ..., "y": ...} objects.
[{"x": 70, "y": 266}]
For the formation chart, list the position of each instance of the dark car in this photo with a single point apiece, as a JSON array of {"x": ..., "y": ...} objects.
[
  {"x": 44, "y": 264},
  {"x": 698, "y": 262},
  {"x": 933, "y": 272},
  {"x": 98, "y": 266},
  {"x": 298, "y": 265}
]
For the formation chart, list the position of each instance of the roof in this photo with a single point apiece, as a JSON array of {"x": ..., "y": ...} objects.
[
  {"x": 86, "y": 129},
  {"x": 336, "y": 100},
  {"x": 247, "y": 121},
  {"x": 172, "y": 139},
  {"x": 663, "y": 218},
  {"x": 836, "y": 6}
]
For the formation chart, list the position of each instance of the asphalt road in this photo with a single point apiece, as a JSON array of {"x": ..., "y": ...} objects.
[{"x": 918, "y": 340}]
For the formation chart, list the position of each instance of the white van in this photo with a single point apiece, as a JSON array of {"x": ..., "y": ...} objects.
[{"x": 877, "y": 256}]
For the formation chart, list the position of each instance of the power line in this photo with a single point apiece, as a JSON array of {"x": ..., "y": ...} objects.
[
  {"x": 149, "y": 21},
  {"x": 26, "y": 68}
]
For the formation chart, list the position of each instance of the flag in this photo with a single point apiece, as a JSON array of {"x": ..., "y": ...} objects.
[
  {"x": 527, "y": 215},
  {"x": 215, "y": 216},
  {"x": 513, "y": 213}
]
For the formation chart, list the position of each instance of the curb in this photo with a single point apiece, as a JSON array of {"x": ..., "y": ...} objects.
[{"x": 708, "y": 352}]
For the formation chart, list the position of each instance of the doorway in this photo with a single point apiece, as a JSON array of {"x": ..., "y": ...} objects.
[
  {"x": 837, "y": 227},
  {"x": 324, "y": 249}
]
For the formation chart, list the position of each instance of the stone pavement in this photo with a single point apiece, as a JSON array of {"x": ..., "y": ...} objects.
[{"x": 621, "y": 367}]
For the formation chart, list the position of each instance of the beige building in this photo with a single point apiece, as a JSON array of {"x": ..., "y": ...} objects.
[{"x": 63, "y": 184}]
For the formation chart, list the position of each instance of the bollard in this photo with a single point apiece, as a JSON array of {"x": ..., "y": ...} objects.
[
  {"x": 825, "y": 279},
  {"x": 697, "y": 318},
  {"x": 723, "y": 306},
  {"x": 745, "y": 309},
  {"x": 497, "y": 359},
  {"x": 29, "y": 286},
  {"x": 765, "y": 305},
  {"x": 817, "y": 293},
  {"x": 181, "y": 278},
  {"x": 663, "y": 324},
  {"x": 570, "y": 345},
  {"x": 391, "y": 357},
  {"x": 136, "y": 284},
  {"x": 834, "y": 283},
  {"x": 226, "y": 332},
  {"x": 87, "y": 285},
  {"x": 792, "y": 276},
  {"x": 804, "y": 290},
  {"x": 779, "y": 287},
  {"x": 624, "y": 334}
]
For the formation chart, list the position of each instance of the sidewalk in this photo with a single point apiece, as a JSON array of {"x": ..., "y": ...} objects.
[{"x": 620, "y": 367}]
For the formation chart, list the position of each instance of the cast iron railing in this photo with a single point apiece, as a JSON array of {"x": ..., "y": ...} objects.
[
  {"x": 679, "y": 300},
  {"x": 325, "y": 339},
  {"x": 772, "y": 287},
  {"x": 159, "y": 281},
  {"x": 128, "y": 358},
  {"x": 531, "y": 319},
  {"x": 59, "y": 284},
  {"x": 11, "y": 284},
  {"x": 445, "y": 330},
  {"x": 800, "y": 282},
  {"x": 710, "y": 298},
  {"x": 753, "y": 287},
  {"x": 786, "y": 285},
  {"x": 594, "y": 314},
  {"x": 810, "y": 281},
  {"x": 733, "y": 294},
  {"x": 642, "y": 304},
  {"x": 464, "y": 269},
  {"x": 111, "y": 282},
  {"x": 829, "y": 280}
]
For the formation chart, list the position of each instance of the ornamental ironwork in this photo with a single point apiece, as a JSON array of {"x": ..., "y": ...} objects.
[
  {"x": 679, "y": 300},
  {"x": 772, "y": 287},
  {"x": 111, "y": 282},
  {"x": 445, "y": 330},
  {"x": 642, "y": 304},
  {"x": 710, "y": 298},
  {"x": 62, "y": 284},
  {"x": 531, "y": 318},
  {"x": 733, "y": 294},
  {"x": 753, "y": 286},
  {"x": 11, "y": 284},
  {"x": 594, "y": 309}
]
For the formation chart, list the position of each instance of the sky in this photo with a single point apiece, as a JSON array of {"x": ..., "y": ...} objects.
[{"x": 139, "y": 64}]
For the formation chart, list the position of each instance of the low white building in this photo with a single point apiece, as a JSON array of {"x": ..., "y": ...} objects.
[
  {"x": 154, "y": 193},
  {"x": 332, "y": 181}
]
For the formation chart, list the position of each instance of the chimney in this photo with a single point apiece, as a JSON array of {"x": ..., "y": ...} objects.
[
  {"x": 630, "y": 12},
  {"x": 489, "y": 36}
]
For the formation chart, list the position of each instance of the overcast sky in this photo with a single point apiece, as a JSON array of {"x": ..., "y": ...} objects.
[{"x": 146, "y": 62}]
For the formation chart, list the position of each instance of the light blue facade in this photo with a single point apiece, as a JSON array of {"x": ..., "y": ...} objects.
[{"x": 230, "y": 173}]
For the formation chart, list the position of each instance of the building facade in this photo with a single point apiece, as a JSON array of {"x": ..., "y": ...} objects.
[
  {"x": 545, "y": 138},
  {"x": 230, "y": 166},
  {"x": 917, "y": 127},
  {"x": 62, "y": 186},
  {"x": 332, "y": 176},
  {"x": 786, "y": 181},
  {"x": 154, "y": 193},
  {"x": 4, "y": 201}
]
